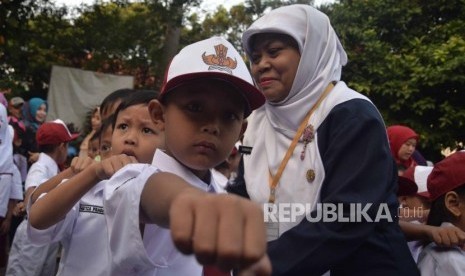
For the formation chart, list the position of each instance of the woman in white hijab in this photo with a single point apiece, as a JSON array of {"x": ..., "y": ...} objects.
[{"x": 318, "y": 158}]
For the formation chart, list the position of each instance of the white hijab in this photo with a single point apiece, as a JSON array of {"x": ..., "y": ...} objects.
[
  {"x": 272, "y": 127},
  {"x": 322, "y": 58}
]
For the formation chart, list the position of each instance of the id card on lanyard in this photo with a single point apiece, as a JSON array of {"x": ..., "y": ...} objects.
[{"x": 272, "y": 223}]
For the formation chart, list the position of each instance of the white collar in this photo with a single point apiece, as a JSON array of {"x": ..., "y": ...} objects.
[{"x": 166, "y": 163}]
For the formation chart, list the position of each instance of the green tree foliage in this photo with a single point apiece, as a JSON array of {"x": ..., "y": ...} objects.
[
  {"x": 409, "y": 58},
  {"x": 20, "y": 53},
  {"x": 120, "y": 38}
]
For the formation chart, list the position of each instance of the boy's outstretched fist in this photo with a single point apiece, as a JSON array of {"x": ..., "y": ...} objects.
[{"x": 221, "y": 230}]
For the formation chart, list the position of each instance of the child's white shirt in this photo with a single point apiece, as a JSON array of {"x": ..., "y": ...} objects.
[
  {"x": 155, "y": 253},
  {"x": 83, "y": 234},
  {"x": 221, "y": 181},
  {"x": 24, "y": 258},
  {"x": 415, "y": 247},
  {"x": 42, "y": 170},
  {"x": 436, "y": 260},
  {"x": 16, "y": 185},
  {"x": 6, "y": 161}
]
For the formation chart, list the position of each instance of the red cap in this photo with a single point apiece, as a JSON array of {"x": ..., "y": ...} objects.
[
  {"x": 54, "y": 132},
  {"x": 447, "y": 175}
]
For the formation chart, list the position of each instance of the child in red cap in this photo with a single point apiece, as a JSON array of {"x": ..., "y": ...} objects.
[
  {"x": 25, "y": 259},
  {"x": 446, "y": 185}
]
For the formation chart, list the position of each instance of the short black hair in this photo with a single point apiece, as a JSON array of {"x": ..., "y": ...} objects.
[
  {"x": 439, "y": 213},
  {"x": 113, "y": 97},
  {"x": 48, "y": 148},
  {"x": 135, "y": 98},
  {"x": 106, "y": 123}
]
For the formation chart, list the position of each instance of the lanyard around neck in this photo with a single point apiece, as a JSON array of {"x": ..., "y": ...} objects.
[{"x": 274, "y": 180}]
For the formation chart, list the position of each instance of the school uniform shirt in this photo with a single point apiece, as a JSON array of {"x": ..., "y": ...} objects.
[
  {"x": 42, "y": 170},
  {"x": 415, "y": 247},
  {"x": 6, "y": 161},
  {"x": 83, "y": 235},
  {"x": 154, "y": 253},
  {"x": 221, "y": 181},
  {"x": 16, "y": 191},
  {"x": 437, "y": 260},
  {"x": 26, "y": 258}
]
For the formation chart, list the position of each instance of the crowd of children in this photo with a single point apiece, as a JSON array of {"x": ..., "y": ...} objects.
[{"x": 148, "y": 193}]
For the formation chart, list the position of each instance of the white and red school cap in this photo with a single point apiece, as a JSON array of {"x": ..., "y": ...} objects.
[{"x": 214, "y": 58}]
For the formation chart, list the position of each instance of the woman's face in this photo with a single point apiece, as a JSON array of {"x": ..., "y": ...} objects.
[
  {"x": 41, "y": 113},
  {"x": 275, "y": 59},
  {"x": 407, "y": 149}
]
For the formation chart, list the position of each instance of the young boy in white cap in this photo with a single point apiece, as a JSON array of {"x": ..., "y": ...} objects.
[
  {"x": 26, "y": 259},
  {"x": 206, "y": 95}
]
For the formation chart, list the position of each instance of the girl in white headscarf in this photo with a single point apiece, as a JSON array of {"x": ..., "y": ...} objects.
[{"x": 317, "y": 144}]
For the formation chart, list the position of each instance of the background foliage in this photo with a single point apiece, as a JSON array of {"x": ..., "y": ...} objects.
[{"x": 408, "y": 56}]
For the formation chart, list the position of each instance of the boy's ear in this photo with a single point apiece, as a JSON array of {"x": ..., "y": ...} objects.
[
  {"x": 452, "y": 203},
  {"x": 156, "y": 111}
]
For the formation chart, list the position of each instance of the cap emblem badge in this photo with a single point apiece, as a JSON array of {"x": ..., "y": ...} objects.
[{"x": 220, "y": 61}]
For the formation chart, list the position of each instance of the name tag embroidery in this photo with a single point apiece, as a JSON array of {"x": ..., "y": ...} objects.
[
  {"x": 91, "y": 209},
  {"x": 245, "y": 150}
]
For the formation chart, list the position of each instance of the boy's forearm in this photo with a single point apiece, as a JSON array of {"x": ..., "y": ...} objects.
[
  {"x": 54, "y": 206},
  {"x": 158, "y": 195},
  {"x": 414, "y": 231}
]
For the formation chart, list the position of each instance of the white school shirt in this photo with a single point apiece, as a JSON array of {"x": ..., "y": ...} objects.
[
  {"x": 155, "y": 253},
  {"x": 436, "y": 260},
  {"x": 6, "y": 161},
  {"x": 42, "y": 170},
  {"x": 221, "y": 181},
  {"x": 83, "y": 235},
  {"x": 415, "y": 247},
  {"x": 25, "y": 258},
  {"x": 6, "y": 143},
  {"x": 16, "y": 191}
]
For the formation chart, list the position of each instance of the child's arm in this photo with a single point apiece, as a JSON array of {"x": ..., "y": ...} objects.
[
  {"x": 222, "y": 230},
  {"x": 78, "y": 164},
  {"x": 443, "y": 236},
  {"x": 54, "y": 206}
]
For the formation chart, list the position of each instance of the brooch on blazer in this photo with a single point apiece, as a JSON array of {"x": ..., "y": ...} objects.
[{"x": 307, "y": 137}]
